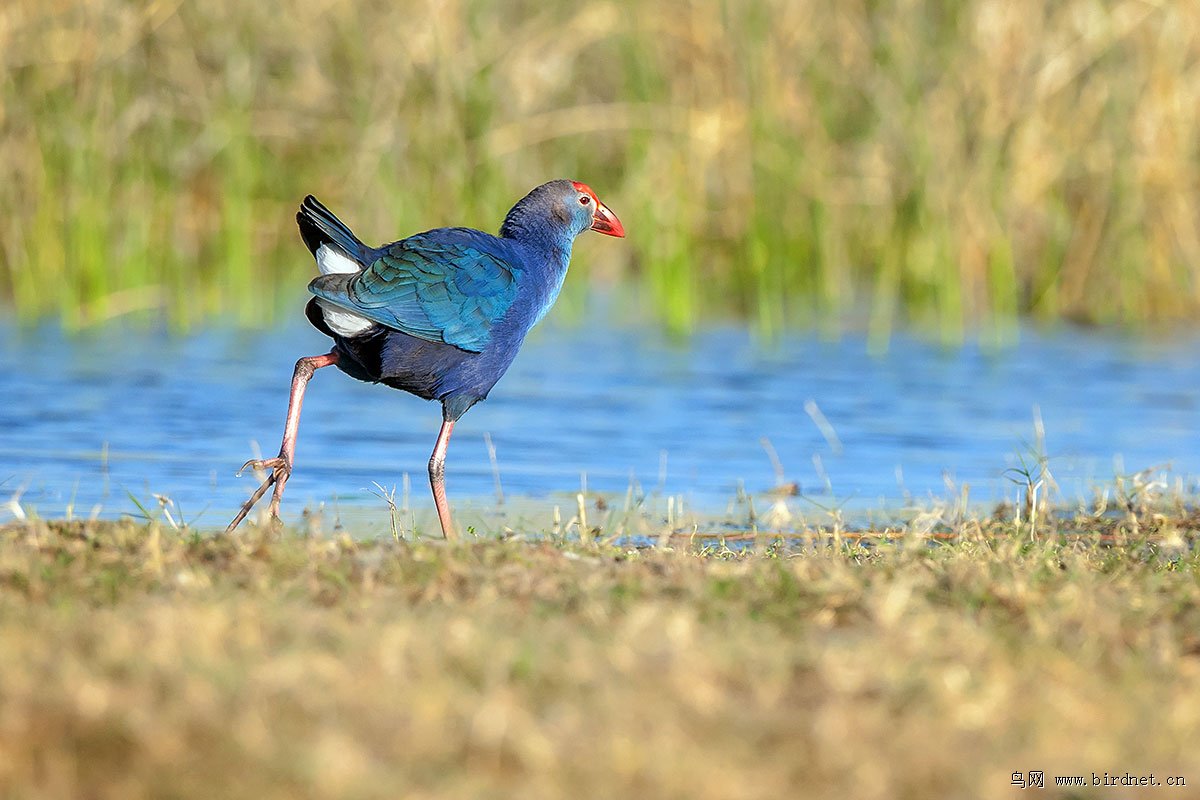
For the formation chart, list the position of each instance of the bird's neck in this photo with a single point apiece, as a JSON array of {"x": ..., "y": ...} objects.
[
  {"x": 528, "y": 227},
  {"x": 547, "y": 254}
]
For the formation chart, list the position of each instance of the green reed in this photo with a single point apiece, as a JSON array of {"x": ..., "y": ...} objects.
[{"x": 952, "y": 165}]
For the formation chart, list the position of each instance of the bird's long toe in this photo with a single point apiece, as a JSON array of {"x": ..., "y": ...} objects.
[
  {"x": 278, "y": 470},
  {"x": 275, "y": 465}
]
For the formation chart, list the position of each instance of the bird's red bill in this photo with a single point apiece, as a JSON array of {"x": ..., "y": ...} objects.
[
  {"x": 606, "y": 222},
  {"x": 603, "y": 220}
]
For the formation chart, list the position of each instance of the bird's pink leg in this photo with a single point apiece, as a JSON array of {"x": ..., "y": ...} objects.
[
  {"x": 281, "y": 465},
  {"x": 437, "y": 480}
]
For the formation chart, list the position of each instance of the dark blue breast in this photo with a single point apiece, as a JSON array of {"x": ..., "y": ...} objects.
[{"x": 431, "y": 370}]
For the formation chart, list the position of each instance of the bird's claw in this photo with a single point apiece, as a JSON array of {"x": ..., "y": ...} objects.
[
  {"x": 279, "y": 464},
  {"x": 280, "y": 469}
]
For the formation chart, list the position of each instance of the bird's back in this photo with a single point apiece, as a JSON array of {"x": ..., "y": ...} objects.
[{"x": 440, "y": 314}]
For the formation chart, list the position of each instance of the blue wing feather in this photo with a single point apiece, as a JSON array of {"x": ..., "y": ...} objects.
[{"x": 450, "y": 285}]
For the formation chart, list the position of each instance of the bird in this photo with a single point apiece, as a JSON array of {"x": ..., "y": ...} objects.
[{"x": 440, "y": 314}]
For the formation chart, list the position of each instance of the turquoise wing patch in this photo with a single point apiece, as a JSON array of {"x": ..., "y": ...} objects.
[{"x": 441, "y": 286}]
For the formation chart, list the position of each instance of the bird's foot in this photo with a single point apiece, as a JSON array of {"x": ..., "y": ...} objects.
[
  {"x": 280, "y": 470},
  {"x": 280, "y": 467}
]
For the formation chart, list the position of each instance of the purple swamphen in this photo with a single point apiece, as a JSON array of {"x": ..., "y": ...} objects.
[{"x": 440, "y": 314}]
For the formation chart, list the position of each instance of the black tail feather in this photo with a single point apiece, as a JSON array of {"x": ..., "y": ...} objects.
[{"x": 319, "y": 226}]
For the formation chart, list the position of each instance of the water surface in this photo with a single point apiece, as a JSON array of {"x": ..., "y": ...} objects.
[{"x": 88, "y": 420}]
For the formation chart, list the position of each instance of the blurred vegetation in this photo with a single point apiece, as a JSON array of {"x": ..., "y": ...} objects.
[
  {"x": 144, "y": 663},
  {"x": 954, "y": 164}
]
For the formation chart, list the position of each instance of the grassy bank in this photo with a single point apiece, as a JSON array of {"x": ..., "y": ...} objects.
[
  {"x": 956, "y": 163},
  {"x": 141, "y": 663}
]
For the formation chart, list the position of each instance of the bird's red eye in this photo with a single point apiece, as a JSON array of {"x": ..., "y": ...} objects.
[{"x": 584, "y": 200}]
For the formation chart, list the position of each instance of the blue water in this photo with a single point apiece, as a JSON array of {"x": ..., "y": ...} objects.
[{"x": 88, "y": 420}]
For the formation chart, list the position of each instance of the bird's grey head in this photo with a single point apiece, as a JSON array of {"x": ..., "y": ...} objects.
[{"x": 560, "y": 208}]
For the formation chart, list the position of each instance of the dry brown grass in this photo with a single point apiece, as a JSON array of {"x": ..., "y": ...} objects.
[{"x": 138, "y": 663}]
